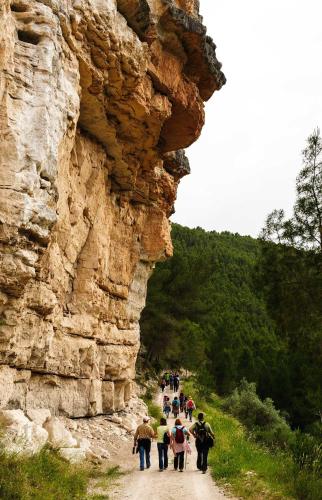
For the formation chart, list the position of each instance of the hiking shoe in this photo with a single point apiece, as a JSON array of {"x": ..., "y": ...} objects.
[
  {"x": 141, "y": 468},
  {"x": 204, "y": 472},
  {"x": 181, "y": 470}
]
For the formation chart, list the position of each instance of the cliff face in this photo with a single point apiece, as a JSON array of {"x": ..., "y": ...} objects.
[{"x": 97, "y": 99}]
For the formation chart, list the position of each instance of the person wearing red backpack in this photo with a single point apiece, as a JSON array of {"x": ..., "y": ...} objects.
[
  {"x": 179, "y": 434},
  {"x": 190, "y": 407}
]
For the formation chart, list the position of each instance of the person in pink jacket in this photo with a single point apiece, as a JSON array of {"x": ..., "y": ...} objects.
[{"x": 179, "y": 434}]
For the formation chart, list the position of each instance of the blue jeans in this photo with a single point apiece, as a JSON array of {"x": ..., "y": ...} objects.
[
  {"x": 144, "y": 450},
  {"x": 163, "y": 455}
]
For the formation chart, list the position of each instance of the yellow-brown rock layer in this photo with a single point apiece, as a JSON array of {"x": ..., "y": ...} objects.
[{"x": 97, "y": 99}]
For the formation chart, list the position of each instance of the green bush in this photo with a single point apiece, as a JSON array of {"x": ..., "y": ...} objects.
[
  {"x": 307, "y": 453},
  {"x": 261, "y": 418},
  {"x": 307, "y": 486},
  {"x": 252, "y": 470},
  {"x": 154, "y": 411},
  {"x": 45, "y": 476}
]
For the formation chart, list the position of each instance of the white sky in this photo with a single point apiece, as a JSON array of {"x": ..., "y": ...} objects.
[{"x": 245, "y": 162}]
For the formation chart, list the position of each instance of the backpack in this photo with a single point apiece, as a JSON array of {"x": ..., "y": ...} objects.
[
  {"x": 203, "y": 436},
  {"x": 176, "y": 403},
  {"x": 166, "y": 438},
  {"x": 179, "y": 435},
  {"x": 190, "y": 405}
]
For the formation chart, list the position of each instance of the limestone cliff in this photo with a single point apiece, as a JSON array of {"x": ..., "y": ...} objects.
[{"x": 97, "y": 100}]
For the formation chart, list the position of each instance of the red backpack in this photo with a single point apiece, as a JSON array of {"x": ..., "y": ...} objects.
[
  {"x": 179, "y": 435},
  {"x": 190, "y": 405}
]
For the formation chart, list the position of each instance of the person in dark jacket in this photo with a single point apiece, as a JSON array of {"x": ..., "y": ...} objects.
[
  {"x": 171, "y": 379},
  {"x": 204, "y": 436},
  {"x": 176, "y": 382}
]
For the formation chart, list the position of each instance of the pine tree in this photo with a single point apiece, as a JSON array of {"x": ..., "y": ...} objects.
[{"x": 304, "y": 230}]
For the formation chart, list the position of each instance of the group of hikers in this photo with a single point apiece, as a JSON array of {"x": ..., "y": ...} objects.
[
  {"x": 171, "y": 379},
  {"x": 176, "y": 437},
  {"x": 178, "y": 405}
]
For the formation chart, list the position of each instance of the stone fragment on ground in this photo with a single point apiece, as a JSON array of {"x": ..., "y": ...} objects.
[
  {"x": 58, "y": 435},
  {"x": 21, "y": 435}
]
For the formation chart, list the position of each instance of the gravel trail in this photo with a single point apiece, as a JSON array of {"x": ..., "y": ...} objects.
[{"x": 151, "y": 484}]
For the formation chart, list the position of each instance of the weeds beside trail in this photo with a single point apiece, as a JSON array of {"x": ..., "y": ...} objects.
[
  {"x": 154, "y": 409},
  {"x": 47, "y": 476},
  {"x": 247, "y": 468}
]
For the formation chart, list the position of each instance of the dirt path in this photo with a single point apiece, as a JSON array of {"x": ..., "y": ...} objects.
[{"x": 151, "y": 484}]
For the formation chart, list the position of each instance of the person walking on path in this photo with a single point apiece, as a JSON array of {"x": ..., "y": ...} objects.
[
  {"x": 142, "y": 439},
  {"x": 166, "y": 407},
  {"x": 176, "y": 382},
  {"x": 162, "y": 384},
  {"x": 166, "y": 378},
  {"x": 185, "y": 409},
  {"x": 190, "y": 407},
  {"x": 179, "y": 434},
  {"x": 181, "y": 399},
  {"x": 171, "y": 379},
  {"x": 165, "y": 398},
  {"x": 175, "y": 407},
  {"x": 204, "y": 436},
  {"x": 163, "y": 441}
]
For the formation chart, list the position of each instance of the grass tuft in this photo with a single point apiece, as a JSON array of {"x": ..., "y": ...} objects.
[
  {"x": 47, "y": 476},
  {"x": 154, "y": 410}
]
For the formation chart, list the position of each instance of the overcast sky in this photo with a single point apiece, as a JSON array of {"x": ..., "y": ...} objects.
[{"x": 245, "y": 162}]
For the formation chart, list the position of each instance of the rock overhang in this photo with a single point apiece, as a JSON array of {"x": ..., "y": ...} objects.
[{"x": 97, "y": 100}]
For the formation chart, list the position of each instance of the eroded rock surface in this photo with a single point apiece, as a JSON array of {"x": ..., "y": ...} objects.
[{"x": 97, "y": 99}]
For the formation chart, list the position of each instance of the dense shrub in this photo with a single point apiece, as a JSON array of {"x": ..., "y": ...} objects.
[
  {"x": 307, "y": 452},
  {"x": 254, "y": 471},
  {"x": 45, "y": 476},
  {"x": 154, "y": 409},
  {"x": 261, "y": 418}
]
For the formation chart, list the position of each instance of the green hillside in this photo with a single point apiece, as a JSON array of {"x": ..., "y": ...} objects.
[{"x": 224, "y": 306}]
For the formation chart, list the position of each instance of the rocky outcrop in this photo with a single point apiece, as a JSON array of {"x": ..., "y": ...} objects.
[
  {"x": 94, "y": 439},
  {"x": 97, "y": 100}
]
